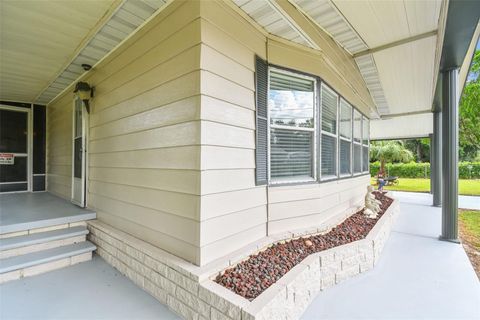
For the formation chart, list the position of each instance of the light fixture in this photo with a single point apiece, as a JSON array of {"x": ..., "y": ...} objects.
[
  {"x": 86, "y": 66},
  {"x": 84, "y": 92}
]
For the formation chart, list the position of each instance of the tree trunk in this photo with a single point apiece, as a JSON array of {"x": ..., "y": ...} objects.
[
  {"x": 382, "y": 167},
  {"x": 419, "y": 151}
]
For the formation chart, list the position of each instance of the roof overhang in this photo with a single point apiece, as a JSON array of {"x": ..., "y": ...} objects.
[
  {"x": 45, "y": 43},
  {"x": 461, "y": 35}
]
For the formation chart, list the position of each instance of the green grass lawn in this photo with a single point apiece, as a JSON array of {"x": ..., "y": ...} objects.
[
  {"x": 470, "y": 221},
  {"x": 466, "y": 187}
]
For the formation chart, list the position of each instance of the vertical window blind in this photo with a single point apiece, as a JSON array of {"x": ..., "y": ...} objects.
[{"x": 291, "y": 106}]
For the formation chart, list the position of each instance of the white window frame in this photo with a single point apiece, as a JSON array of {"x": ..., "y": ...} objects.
[
  {"x": 274, "y": 126},
  {"x": 345, "y": 175},
  {"x": 321, "y": 132}
]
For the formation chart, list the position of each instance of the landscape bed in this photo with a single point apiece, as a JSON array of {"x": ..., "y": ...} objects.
[
  {"x": 254, "y": 275},
  {"x": 193, "y": 293}
]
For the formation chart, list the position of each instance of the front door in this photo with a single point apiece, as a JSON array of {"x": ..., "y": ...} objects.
[
  {"x": 80, "y": 118},
  {"x": 14, "y": 149}
]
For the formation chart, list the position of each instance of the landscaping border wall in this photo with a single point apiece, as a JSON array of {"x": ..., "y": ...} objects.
[{"x": 191, "y": 292}]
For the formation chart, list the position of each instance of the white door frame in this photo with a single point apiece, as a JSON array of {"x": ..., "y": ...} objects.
[
  {"x": 82, "y": 184},
  {"x": 29, "y": 144}
]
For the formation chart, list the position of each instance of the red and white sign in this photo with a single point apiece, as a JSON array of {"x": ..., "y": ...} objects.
[{"x": 7, "y": 158}]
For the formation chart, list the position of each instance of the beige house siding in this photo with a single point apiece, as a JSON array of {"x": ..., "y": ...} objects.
[
  {"x": 308, "y": 206},
  {"x": 144, "y": 144},
  {"x": 172, "y": 136},
  {"x": 59, "y": 146},
  {"x": 233, "y": 209}
]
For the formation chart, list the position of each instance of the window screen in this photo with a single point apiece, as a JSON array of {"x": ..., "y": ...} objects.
[
  {"x": 357, "y": 158},
  {"x": 357, "y": 142},
  {"x": 345, "y": 153},
  {"x": 292, "y": 126},
  {"x": 345, "y": 120},
  {"x": 328, "y": 156},
  {"x": 329, "y": 110},
  {"x": 357, "y": 126},
  {"x": 366, "y": 160},
  {"x": 365, "y": 148},
  {"x": 345, "y": 130}
]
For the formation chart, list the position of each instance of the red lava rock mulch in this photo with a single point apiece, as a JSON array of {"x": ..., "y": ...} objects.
[{"x": 251, "y": 277}]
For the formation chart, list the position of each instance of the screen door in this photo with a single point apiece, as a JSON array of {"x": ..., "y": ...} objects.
[
  {"x": 14, "y": 157},
  {"x": 79, "y": 153}
]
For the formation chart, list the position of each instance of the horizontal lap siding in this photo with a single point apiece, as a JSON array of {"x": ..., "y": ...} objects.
[
  {"x": 308, "y": 206},
  {"x": 145, "y": 142},
  {"x": 233, "y": 210},
  {"x": 59, "y": 147}
]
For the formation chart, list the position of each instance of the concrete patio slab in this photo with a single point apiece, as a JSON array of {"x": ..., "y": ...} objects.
[
  {"x": 464, "y": 202},
  {"x": 417, "y": 277},
  {"x": 24, "y": 211},
  {"x": 90, "y": 290}
]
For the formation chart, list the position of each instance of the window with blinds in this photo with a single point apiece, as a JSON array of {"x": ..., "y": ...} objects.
[
  {"x": 357, "y": 142},
  {"x": 345, "y": 133},
  {"x": 365, "y": 147},
  {"x": 292, "y": 143},
  {"x": 329, "y": 137},
  {"x": 291, "y": 108}
]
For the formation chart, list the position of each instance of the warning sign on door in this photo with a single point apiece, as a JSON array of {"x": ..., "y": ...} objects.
[{"x": 7, "y": 158}]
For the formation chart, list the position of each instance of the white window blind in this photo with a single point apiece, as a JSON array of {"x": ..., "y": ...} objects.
[
  {"x": 292, "y": 127},
  {"x": 329, "y": 138}
]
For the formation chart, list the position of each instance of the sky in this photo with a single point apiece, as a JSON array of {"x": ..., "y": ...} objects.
[{"x": 470, "y": 75}]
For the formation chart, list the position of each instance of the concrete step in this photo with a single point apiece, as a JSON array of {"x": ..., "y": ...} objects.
[
  {"x": 45, "y": 260},
  {"x": 41, "y": 237},
  {"x": 39, "y": 241}
]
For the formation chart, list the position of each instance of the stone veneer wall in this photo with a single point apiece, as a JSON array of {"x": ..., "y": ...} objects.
[{"x": 190, "y": 291}]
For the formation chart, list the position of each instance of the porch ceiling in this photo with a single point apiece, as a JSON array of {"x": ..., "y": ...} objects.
[
  {"x": 393, "y": 43},
  {"x": 38, "y": 38},
  {"x": 44, "y": 43}
]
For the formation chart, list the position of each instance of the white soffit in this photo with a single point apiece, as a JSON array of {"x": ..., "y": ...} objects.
[
  {"x": 271, "y": 20},
  {"x": 407, "y": 75},
  {"x": 326, "y": 16},
  {"x": 37, "y": 39},
  {"x": 406, "y": 71},
  {"x": 127, "y": 18},
  {"x": 404, "y": 127},
  {"x": 324, "y": 13}
]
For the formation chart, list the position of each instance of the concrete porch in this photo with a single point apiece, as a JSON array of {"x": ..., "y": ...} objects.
[
  {"x": 40, "y": 232},
  {"x": 418, "y": 277},
  {"x": 24, "y": 211}
]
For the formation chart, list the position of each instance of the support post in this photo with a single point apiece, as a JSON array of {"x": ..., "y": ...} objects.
[
  {"x": 436, "y": 159},
  {"x": 450, "y": 156}
]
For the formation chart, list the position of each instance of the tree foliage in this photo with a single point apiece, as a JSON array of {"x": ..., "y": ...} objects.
[
  {"x": 420, "y": 149},
  {"x": 389, "y": 151},
  {"x": 469, "y": 114}
]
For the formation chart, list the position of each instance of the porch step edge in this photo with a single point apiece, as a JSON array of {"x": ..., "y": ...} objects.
[
  {"x": 41, "y": 237},
  {"x": 40, "y": 257}
]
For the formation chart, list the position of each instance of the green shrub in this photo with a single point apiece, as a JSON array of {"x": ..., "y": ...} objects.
[{"x": 466, "y": 170}]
